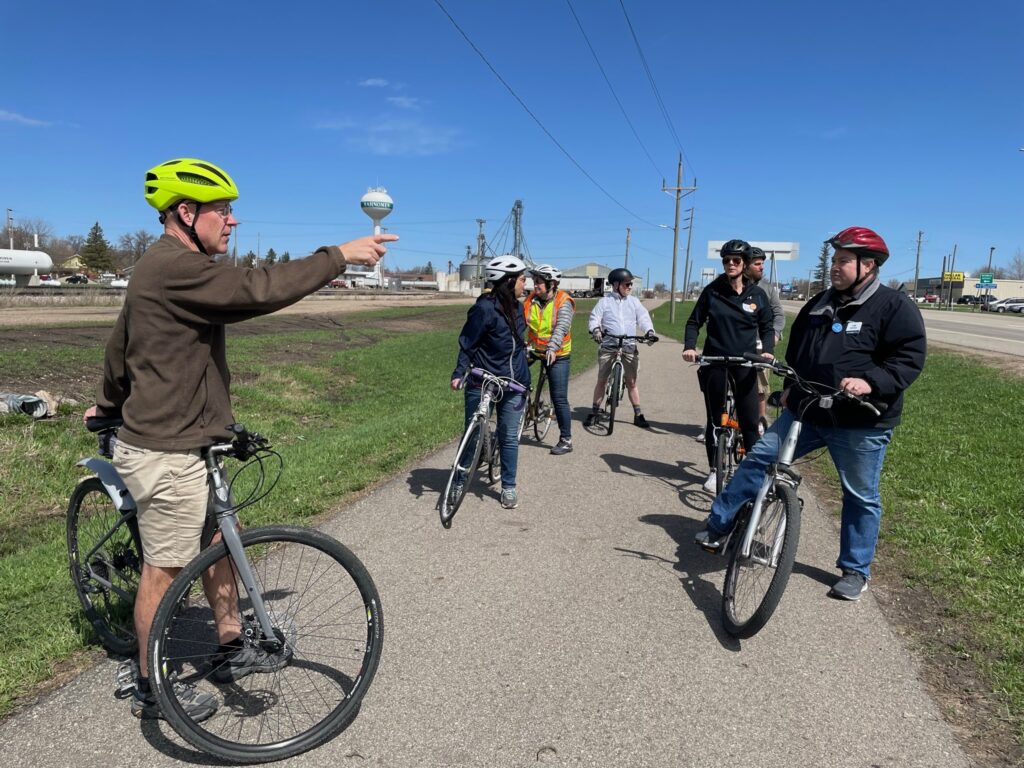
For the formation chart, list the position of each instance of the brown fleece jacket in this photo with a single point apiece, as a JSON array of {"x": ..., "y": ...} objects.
[{"x": 165, "y": 369}]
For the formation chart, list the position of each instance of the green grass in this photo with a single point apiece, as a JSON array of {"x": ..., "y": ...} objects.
[
  {"x": 343, "y": 418},
  {"x": 953, "y": 501}
]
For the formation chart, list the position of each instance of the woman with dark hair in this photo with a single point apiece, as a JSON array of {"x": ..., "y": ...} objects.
[{"x": 492, "y": 339}]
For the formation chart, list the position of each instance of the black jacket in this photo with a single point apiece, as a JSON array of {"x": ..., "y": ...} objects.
[
  {"x": 735, "y": 320},
  {"x": 878, "y": 337},
  {"x": 488, "y": 341}
]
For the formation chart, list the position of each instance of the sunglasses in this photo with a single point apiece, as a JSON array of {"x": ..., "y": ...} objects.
[{"x": 732, "y": 260}]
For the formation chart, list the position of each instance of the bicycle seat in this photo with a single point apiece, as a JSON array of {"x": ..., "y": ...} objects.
[{"x": 103, "y": 423}]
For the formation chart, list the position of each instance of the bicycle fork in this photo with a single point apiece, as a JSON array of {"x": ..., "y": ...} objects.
[
  {"x": 227, "y": 522},
  {"x": 777, "y": 472}
]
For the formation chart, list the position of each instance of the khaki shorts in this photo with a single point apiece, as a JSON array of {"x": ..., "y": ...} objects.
[
  {"x": 763, "y": 388},
  {"x": 630, "y": 364},
  {"x": 170, "y": 489}
]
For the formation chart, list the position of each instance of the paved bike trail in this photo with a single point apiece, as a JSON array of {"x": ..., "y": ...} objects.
[{"x": 581, "y": 629}]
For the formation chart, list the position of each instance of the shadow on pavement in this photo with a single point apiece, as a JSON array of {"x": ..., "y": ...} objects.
[
  {"x": 427, "y": 480},
  {"x": 693, "y": 563},
  {"x": 815, "y": 573}
]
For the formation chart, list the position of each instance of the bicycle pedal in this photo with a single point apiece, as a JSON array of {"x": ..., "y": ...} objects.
[{"x": 126, "y": 679}]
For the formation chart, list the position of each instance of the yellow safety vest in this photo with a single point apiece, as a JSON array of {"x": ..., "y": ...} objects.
[{"x": 540, "y": 322}]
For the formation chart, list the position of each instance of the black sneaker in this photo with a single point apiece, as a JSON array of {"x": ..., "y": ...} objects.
[
  {"x": 197, "y": 705},
  {"x": 850, "y": 587},
  {"x": 591, "y": 419},
  {"x": 247, "y": 660},
  {"x": 640, "y": 421},
  {"x": 563, "y": 446},
  {"x": 709, "y": 540}
]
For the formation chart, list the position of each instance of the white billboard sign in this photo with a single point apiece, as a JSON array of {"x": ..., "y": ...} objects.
[{"x": 779, "y": 251}]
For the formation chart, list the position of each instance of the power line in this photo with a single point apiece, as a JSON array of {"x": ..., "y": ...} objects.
[
  {"x": 650, "y": 78},
  {"x": 610, "y": 88},
  {"x": 537, "y": 120}
]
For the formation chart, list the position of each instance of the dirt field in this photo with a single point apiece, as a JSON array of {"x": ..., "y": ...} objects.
[{"x": 49, "y": 314}]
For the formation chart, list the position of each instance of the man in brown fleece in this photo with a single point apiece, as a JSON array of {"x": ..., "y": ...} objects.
[{"x": 166, "y": 375}]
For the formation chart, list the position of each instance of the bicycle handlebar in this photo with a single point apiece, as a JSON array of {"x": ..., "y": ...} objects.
[
  {"x": 812, "y": 388},
  {"x": 627, "y": 337},
  {"x": 503, "y": 381}
]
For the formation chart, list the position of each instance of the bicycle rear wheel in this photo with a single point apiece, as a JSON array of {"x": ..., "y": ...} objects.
[
  {"x": 105, "y": 560},
  {"x": 327, "y": 620},
  {"x": 754, "y": 584},
  {"x": 467, "y": 458},
  {"x": 543, "y": 408},
  {"x": 614, "y": 393}
]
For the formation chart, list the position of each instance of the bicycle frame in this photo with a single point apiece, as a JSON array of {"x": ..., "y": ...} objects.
[{"x": 223, "y": 510}]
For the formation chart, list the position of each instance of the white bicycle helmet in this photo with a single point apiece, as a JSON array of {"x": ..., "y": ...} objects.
[
  {"x": 546, "y": 272},
  {"x": 503, "y": 266}
]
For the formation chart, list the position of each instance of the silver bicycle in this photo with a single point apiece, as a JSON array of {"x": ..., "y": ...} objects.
[
  {"x": 297, "y": 594},
  {"x": 763, "y": 539},
  {"x": 479, "y": 443}
]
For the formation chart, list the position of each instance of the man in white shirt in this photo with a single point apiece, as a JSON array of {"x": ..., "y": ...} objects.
[{"x": 619, "y": 314}]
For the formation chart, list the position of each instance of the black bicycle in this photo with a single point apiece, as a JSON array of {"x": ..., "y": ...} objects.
[
  {"x": 615, "y": 388},
  {"x": 540, "y": 411},
  {"x": 296, "y": 593},
  {"x": 726, "y": 433}
]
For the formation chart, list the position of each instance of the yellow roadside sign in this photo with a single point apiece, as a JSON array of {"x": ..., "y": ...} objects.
[{"x": 953, "y": 277}]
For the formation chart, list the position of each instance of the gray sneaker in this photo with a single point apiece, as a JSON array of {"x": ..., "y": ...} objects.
[
  {"x": 563, "y": 446},
  {"x": 850, "y": 587},
  {"x": 709, "y": 540},
  {"x": 247, "y": 660},
  {"x": 509, "y": 498},
  {"x": 197, "y": 705}
]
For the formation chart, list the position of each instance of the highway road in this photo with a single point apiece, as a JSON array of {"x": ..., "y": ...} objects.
[{"x": 984, "y": 331}]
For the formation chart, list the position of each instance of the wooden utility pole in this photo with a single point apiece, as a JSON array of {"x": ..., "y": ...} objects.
[
  {"x": 917, "y": 263},
  {"x": 686, "y": 267},
  {"x": 678, "y": 189},
  {"x": 626, "y": 265}
]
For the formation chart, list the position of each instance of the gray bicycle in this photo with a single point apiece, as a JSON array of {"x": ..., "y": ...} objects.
[{"x": 300, "y": 595}]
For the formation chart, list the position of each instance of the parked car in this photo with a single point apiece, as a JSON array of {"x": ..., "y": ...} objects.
[
  {"x": 76, "y": 280},
  {"x": 1005, "y": 305},
  {"x": 337, "y": 284},
  {"x": 119, "y": 282},
  {"x": 931, "y": 298}
]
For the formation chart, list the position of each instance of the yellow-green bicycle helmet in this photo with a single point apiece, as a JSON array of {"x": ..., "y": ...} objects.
[{"x": 187, "y": 179}]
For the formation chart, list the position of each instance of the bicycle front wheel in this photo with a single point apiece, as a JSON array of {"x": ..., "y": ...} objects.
[
  {"x": 724, "y": 440},
  {"x": 328, "y": 628},
  {"x": 613, "y": 395},
  {"x": 467, "y": 458},
  {"x": 754, "y": 584},
  {"x": 105, "y": 559}
]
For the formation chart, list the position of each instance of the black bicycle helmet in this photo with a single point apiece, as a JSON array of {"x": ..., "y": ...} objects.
[
  {"x": 620, "y": 275},
  {"x": 736, "y": 248},
  {"x": 756, "y": 253}
]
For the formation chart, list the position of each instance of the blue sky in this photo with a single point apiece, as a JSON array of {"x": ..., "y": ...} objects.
[{"x": 797, "y": 119}]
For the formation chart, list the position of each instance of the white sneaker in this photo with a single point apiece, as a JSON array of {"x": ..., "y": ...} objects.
[{"x": 709, "y": 484}]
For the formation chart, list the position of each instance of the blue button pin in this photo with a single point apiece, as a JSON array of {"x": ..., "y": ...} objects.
[{"x": 837, "y": 327}]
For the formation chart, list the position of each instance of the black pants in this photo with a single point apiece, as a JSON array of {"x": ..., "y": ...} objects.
[{"x": 713, "y": 383}]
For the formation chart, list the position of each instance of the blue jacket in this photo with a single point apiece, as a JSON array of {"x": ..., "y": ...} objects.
[{"x": 487, "y": 341}]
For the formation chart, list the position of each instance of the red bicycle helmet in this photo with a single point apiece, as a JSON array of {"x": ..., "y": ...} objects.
[{"x": 861, "y": 241}]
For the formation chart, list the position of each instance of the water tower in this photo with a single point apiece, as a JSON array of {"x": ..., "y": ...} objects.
[{"x": 376, "y": 204}]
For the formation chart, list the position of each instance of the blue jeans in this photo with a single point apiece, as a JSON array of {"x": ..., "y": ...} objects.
[
  {"x": 558, "y": 380},
  {"x": 858, "y": 456},
  {"x": 510, "y": 412}
]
